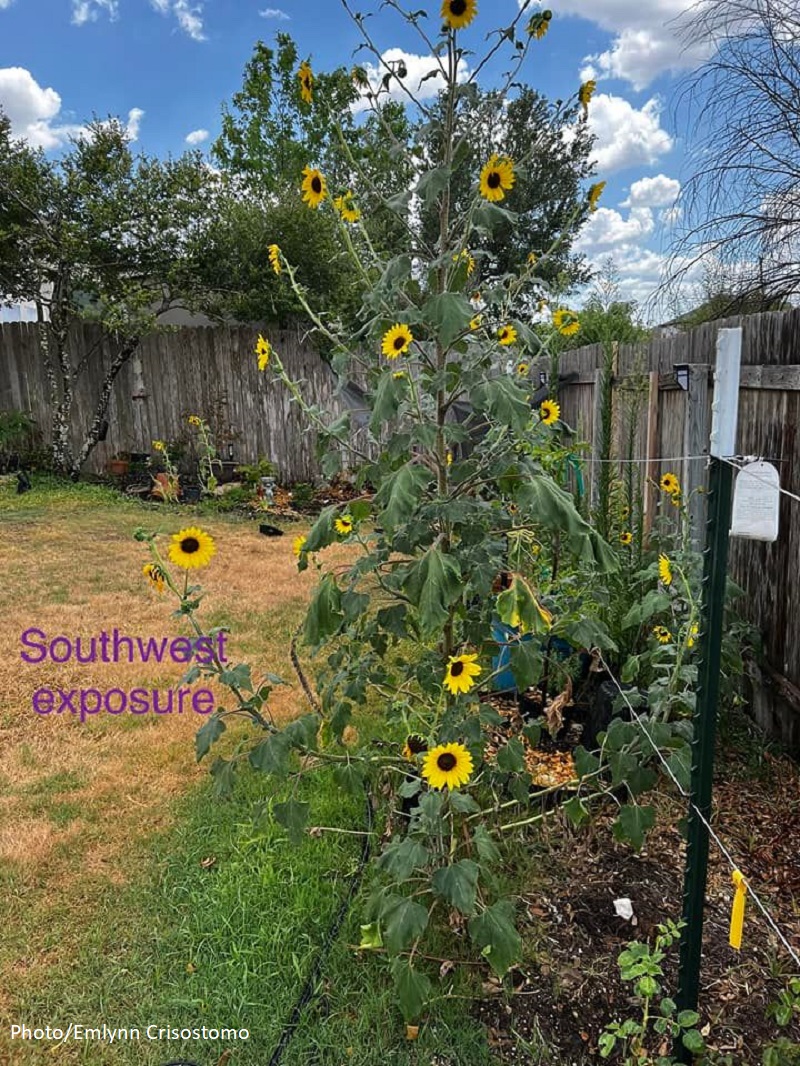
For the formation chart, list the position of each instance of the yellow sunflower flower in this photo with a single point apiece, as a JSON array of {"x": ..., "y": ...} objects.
[
  {"x": 465, "y": 256},
  {"x": 459, "y": 13},
  {"x": 275, "y": 258},
  {"x": 462, "y": 670},
  {"x": 507, "y": 335},
  {"x": 398, "y": 375},
  {"x": 306, "y": 77},
  {"x": 676, "y": 499},
  {"x": 344, "y": 525},
  {"x": 263, "y": 351},
  {"x": 159, "y": 446},
  {"x": 447, "y": 766},
  {"x": 191, "y": 548},
  {"x": 475, "y": 323},
  {"x": 298, "y": 544},
  {"x": 396, "y": 341},
  {"x": 566, "y": 322},
  {"x": 595, "y": 192},
  {"x": 415, "y": 745},
  {"x": 692, "y": 636},
  {"x": 540, "y": 24},
  {"x": 523, "y": 369},
  {"x": 664, "y": 570},
  {"x": 314, "y": 188},
  {"x": 194, "y": 420},
  {"x": 626, "y": 538},
  {"x": 662, "y": 635},
  {"x": 346, "y": 208},
  {"x": 585, "y": 94},
  {"x": 155, "y": 575},
  {"x": 497, "y": 178},
  {"x": 670, "y": 484},
  {"x": 549, "y": 412},
  {"x": 532, "y": 259},
  {"x": 449, "y": 459}
]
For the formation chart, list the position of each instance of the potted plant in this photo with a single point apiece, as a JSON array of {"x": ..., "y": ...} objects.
[{"x": 119, "y": 464}]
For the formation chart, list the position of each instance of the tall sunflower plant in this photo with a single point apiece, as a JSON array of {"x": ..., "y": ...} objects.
[{"x": 461, "y": 492}]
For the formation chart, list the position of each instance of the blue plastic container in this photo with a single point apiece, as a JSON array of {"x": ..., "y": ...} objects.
[{"x": 506, "y": 637}]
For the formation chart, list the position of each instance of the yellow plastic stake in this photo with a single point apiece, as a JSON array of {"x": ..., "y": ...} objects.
[{"x": 737, "y": 914}]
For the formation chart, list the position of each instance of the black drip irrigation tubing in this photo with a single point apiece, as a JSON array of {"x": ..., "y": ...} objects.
[{"x": 307, "y": 992}]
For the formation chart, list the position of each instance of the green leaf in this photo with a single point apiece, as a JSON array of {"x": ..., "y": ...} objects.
[
  {"x": 576, "y": 810},
  {"x": 413, "y": 989},
  {"x": 349, "y": 778},
  {"x": 518, "y": 606},
  {"x": 399, "y": 860},
  {"x": 293, "y": 816},
  {"x": 632, "y": 824},
  {"x": 392, "y": 619},
  {"x": 403, "y": 921},
  {"x": 302, "y": 732},
  {"x": 554, "y": 508},
  {"x": 271, "y": 756},
  {"x": 680, "y": 762},
  {"x": 223, "y": 771},
  {"x": 325, "y": 614},
  {"x": 458, "y": 884},
  {"x": 370, "y": 937},
  {"x": 630, "y": 670},
  {"x": 400, "y": 493},
  {"x": 496, "y": 937},
  {"x": 654, "y": 603},
  {"x": 385, "y": 402},
  {"x": 449, "y": 313},
  {"x": 207, "y": 735},
  {"x": 504, "y": 401},
  {"x": 511, "y": 757},
  {"x": 434, "y": 584},
  {"x": 463, "y": 803},
  {"x": 488, "y": 216},
  {"x": 585, "y": 762},
  {"x": 693, "y": 1041},
  {"x": 488, "y": 851},
  {"x": 322, "y": 532},
  {"x": 526, "y": 663},
  {"x": 432, "y": 183},
  {"x": 688, "y": 1019},
  {"x": 589, "y": 633}
]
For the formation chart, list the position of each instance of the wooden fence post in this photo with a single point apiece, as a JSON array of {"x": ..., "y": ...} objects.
[
  {"x": 651, "y": 490},
  {"x": 695, "y": 442}
]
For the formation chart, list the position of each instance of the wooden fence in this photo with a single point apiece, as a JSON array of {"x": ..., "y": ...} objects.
[
  {"x": 207, "y": 371},
  {"x": 662, "y": 413}
]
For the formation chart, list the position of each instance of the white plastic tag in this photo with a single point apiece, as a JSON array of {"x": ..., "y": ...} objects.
[{"x": 756, "y": 503}]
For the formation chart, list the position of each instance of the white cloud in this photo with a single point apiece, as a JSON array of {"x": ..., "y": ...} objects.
[
  {"x": 197, "y": 136},
  {"x": 135, "y": 116},
  {"x": 273, "y": 13},
  {"x": 84, "y": 11},
  {"x": 417, "y": 67},
  {"x": 5, "y": 3},
  {"x": 188, "y": 15},
  {"x": 626, "y": 136},
  {"x": 606, "y": 230},
  {"x": 658, "y": 191},
  {"x": 31, "y": 109}
]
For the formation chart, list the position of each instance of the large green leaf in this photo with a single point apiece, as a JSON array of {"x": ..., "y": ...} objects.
[
  {"x": 207, "y": 735},
  {"x": 400, "y": 494},
  {"x": 458, "y": 884},
  {"x": 413, "y": 989},
  {"x": 553, "y": 506},
  {"x": 385, "y": 402},
  {"x": 403, "y": 921},
  {"x": 432, "y": 183},
  {"x": 496, "y": 937},
  {"x": 504, "y": 401},
  {"x": 322, "y": 532},
  {"x": 449, "y": 313},
  {"x": 632, "y": 824},
  {"x": 434, "y": 584},
  {"x": 488, "y": 851},
  {"x": 654, "y": 603},
  {"x": 271, "y": 756},
  {"x": 325, "y": 613},
  {"x": 399, "y": 860},
  {"x": 293, "y": 816},
  {"x": 518, "y": 606}
]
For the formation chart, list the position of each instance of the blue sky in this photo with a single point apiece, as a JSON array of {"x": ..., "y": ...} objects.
[{"x": 166, "y": 66}]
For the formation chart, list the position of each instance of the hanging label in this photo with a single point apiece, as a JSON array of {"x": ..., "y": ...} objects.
[{"x": 756, "y": 503}]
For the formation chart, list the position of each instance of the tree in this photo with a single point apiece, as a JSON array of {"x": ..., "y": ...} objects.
[
  {"x": 741, "y": 204},
  {"x": 605, "y": 317},
  {"x": 100, "y": 236}
]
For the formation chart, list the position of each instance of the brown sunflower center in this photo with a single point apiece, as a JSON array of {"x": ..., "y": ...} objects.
[
  {"x": 190, "y": 545},
  {"x": 399, "y": 342},
  {"x": 456, "y": 669},
  {"x": 446, "y": 762},
  {"x": 458, "y": 7},
  {"x": 316, "y": 185},
  {"x": 493, "y": 181}
]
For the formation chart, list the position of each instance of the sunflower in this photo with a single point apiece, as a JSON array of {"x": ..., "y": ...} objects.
[
  {"x": 306, "y": 77},
  {"x": 664, "y": 570},
  {"x": 497, "y": 177},
  {"x": 298, "y": 544},
  {"x": 344, "y": 525},
  {"x": 449, "y": 458},
  {"x": 159, "y": 446},
  {"x": 662, "y": 635},
  {"x": 464, "y": 256},
  {"x": 396, "y": 341},
  {"x": 314, "y": 188},
  {"x": 194, "y": 420},
  {"x": 585, "y": 94},
  {"x": 459, "y": 13},
  {"x": 549, "y": 412},
  {"x": 595, "y": 192},
  {"x": 275, "y": 258},
  {"x": 475, "y": 323},
  {"x": 626, "y": 538},
  {"x": 692, "y": 635},
  {"x": 191, "y": 548},
  {"x": 461, "y": 673},
  {"x": 523, "y": 369},
  {"x": 447, "y": 766},
  {"x": 540, "y": 24},
  {"x": 346, "y": 208},
  {"x": 676, "y": 499},
  {"x": 415, "y": 745},
  {"x": 263, "y": 351},
  {"x": 398, "y": 375},
  {"x": 507, "y": 335},
  {"x": 155, "y": 576},
  {"x": 670, "y": 484},
  {"x": 566, "y": 322}
]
